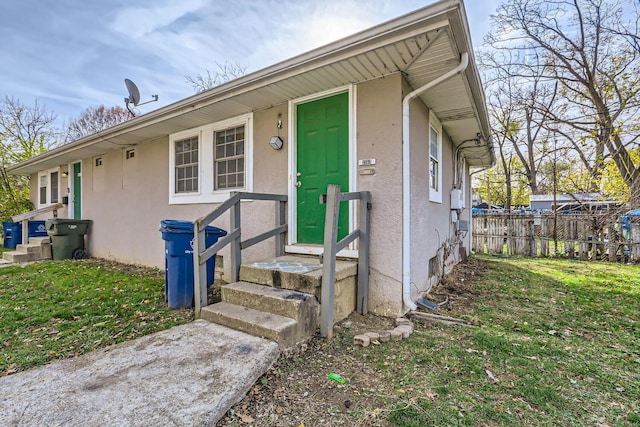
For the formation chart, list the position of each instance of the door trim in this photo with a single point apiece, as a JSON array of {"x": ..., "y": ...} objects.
[
  {"x": 292, "y": 159},
  {"x": 71, "y": 207}
]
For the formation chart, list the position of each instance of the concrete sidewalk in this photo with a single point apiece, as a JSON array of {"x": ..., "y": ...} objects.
[{"x": 189, "y": 375}]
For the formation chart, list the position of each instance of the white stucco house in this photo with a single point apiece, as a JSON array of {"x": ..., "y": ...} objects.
[{"x": 397, "y": 109}]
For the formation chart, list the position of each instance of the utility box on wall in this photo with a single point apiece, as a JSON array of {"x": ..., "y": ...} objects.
[{"x": 457, "y": 201}]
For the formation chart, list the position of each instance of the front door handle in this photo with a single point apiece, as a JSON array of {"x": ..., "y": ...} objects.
[{"x": 298, "y": 184}]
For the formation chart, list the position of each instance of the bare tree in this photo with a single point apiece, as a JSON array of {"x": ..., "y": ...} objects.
[
  {"x": 518, "y": 124},
  {"x": 93, "y": 120},
  {"x": 24, "y": 133},
  {"x": 595, "y": 67},
  {"x": 225, "y": 72}
]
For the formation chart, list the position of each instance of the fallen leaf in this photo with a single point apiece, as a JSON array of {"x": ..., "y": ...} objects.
[
  {"x": 491, "y": 376},
  {"x": 246, "y": 418}
]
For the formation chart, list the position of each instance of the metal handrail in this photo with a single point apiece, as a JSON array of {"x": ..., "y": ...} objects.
[
  {"x": 332, "y": 247},
  {"x": 25, "y": 217},
  {"x": 233, "y": 238}
]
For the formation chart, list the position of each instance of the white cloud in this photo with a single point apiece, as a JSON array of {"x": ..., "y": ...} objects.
[
  {"x": 137, "y": 22},
  {"x": 73, "y": 55}
]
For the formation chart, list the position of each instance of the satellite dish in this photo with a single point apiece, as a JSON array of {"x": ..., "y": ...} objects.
[
  {"x": 134, "y": 96},
  {"x": 134, "y": 93}
]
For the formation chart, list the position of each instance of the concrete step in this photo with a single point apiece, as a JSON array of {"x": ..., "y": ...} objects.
[
  {"x": 283, "y": 302},
  {"x": 45, "y": 246},
  {"x": 39, "y": 240},
  {"x": 258, "y": 323},
  {"x": 304, "y": 274},
  {"x": 30, "y": 249},
  {"x": 15, "y": 256}
]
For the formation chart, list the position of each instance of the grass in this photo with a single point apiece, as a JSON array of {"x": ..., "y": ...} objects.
[
  {"x": 61, "y": 309},
  {"x": 561, "y": 338},
  {"x": 555, "y": 342}
]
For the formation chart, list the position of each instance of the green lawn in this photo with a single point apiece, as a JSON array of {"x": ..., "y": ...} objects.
[
  {"x": 555, "y": 342},
  {"x": 561, "y": 338},
  {"x": 60, "y": 309}
]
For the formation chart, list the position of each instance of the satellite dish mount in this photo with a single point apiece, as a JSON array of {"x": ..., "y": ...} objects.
[{"x": 134, "y": 96}]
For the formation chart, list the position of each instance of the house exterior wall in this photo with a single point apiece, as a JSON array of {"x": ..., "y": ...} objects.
[
  {"x": 379, "y": 135},
  {"x": 433, "y": 234},
  {"x": 127, "y": 198}
]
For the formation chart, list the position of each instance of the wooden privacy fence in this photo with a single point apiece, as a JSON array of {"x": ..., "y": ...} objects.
[{"x": 606, "y": 237}]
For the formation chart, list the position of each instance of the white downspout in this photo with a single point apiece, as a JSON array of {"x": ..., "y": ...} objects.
[{"x": 406, "y": 178}]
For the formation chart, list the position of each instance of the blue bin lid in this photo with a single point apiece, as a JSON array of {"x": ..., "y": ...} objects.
[{"x": 186, "y": 227}]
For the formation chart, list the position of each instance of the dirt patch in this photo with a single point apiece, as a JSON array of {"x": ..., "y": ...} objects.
[
  {"x": 457, "y": 291},
  {"x": 297, "y": 390}
]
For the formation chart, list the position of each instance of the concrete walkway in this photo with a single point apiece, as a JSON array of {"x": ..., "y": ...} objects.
[{"x": 189, "y": 375}]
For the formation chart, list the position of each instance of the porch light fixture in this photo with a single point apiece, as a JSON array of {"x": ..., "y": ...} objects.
[
  {"x": 276, "y": 142},
  {"x": 65, "y": 174}
]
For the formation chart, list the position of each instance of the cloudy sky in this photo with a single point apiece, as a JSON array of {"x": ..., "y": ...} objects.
[{"x": 72, "y": 54}]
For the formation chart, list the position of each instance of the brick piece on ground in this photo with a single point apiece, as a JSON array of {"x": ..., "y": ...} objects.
[
  {"x": 402, "y": 321},
  {"x": 395, "y": 335},
  {"x": 362, "y": 340},
  {"x": 385, "y": 336},
  {"x": 404, "y": 330},
  {"x": 373, "y": 336}
]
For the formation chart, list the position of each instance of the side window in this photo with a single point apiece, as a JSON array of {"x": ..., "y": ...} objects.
[
  {"x": 435, "y": 160},
  {"x": 43, "y": 189},
  {"x": 208, "y": 163},
  {"x": 186, "y": 169},
  {"x": 48, "y": 187},
  {"x": 55, "y": 187},
  {"x": 229, "y": 158}
]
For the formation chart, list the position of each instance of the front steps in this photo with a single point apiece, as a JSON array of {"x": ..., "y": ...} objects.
[
  {"x": 278, "y": 299},
  {"x": 38, "y": 248}
]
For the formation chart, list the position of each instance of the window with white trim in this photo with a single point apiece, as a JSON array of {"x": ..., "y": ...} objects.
[
  {"x": 54, "y": 194},
  {"x": 229, "y": 158},
  {"x": 186, "y": 165},
  {"x": 435, "y": 160},
  {"x": 209, "y": 162},
  {"x": 44, "y": 183},
  {"x": 49, "y": 187}
]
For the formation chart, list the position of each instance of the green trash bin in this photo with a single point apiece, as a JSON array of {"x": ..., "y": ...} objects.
[{"x": 67, "y": 237}]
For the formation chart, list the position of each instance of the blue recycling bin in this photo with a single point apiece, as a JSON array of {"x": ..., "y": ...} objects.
[
  {"x": 37, "y": 228},
  {"x": 12, "y": 232},
  {"x": 178, "y": 249}
]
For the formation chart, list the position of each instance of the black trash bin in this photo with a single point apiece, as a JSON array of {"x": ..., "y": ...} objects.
[
  {"x": 178, "y": 244},
  {"x": 67, "y": 237}
]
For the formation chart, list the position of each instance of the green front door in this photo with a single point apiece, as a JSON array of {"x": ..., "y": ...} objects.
[
  {"x": 322, "y": 152},
  {"x": 77, "y": 190}
]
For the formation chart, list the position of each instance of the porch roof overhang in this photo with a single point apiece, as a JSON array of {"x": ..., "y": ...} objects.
[{"x": 422, "y": 45}]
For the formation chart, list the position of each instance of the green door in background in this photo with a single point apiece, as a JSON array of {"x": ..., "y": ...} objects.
[
  {"x": 77, "y": 190},
  {"x": 322, "y": 153}
]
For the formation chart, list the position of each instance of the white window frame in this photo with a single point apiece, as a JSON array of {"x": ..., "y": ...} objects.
[
  {"x": 435, "y": 195},
  {"x": 47, "y": 174},
  {"x": 198, "y": 138},
  {"x": 206, "y": 179}
]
